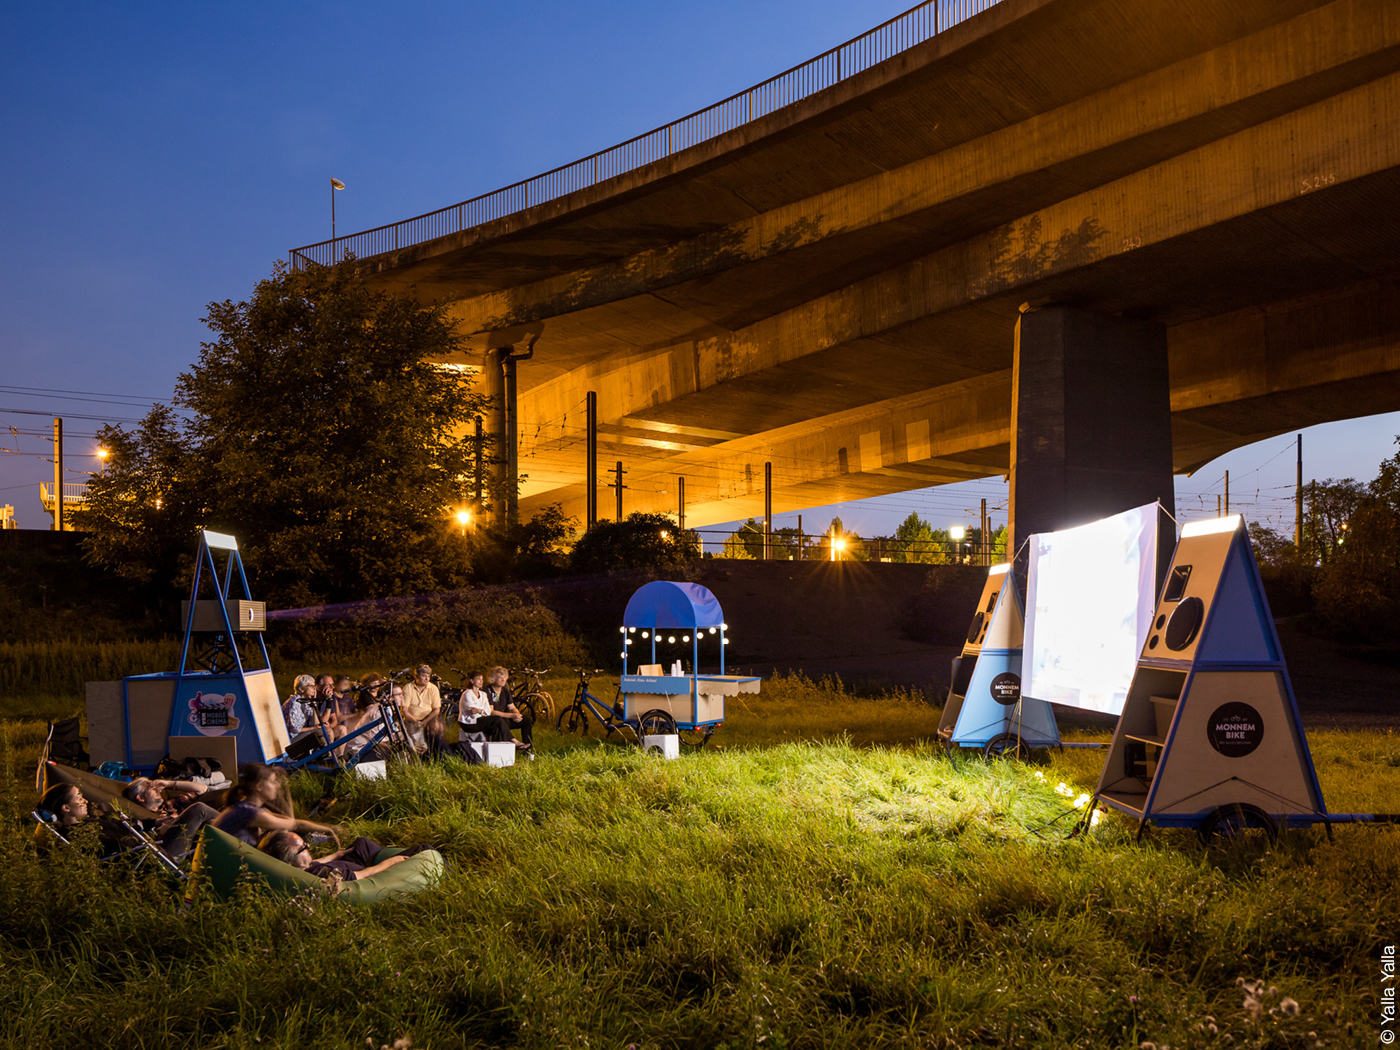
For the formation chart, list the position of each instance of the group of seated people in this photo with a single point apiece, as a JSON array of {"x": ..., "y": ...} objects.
[
  {"x": 257, "y": 811},
  {"x": 336, "y": 708}
]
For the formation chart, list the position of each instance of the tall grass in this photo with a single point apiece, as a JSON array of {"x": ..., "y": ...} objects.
[{"x": 801, "y": 895}]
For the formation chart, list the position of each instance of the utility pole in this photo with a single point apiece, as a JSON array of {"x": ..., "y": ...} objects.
[
  {"x": 680, "y": 502},
  {"x": 591, "y": 467},
  {"x": 801, "y": 541},
  {"x": 620, "y": 472},
  {"x": 480, "y": 468},
  {"x": 985, "y": 558},
  {"x": 767, "y": 511},
  {"x": 509, "y": 358},
  {"x": 1298, "y": 497},
  {"x": 58, "y": 474},
  {"x": 1227, "y": 492}
]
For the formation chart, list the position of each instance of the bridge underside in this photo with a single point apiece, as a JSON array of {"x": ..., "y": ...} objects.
[{"x": 834, "y": 289}]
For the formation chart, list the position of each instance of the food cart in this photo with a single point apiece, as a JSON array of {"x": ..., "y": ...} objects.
[{"x": 668, "y": 693}]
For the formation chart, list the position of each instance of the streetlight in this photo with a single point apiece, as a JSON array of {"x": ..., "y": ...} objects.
[
  {"x": 957, "y": 532},
  {"x": 336, "y": 184},
  {"x": 464, "y": 516},
  {"x": 837, "y": 546}
]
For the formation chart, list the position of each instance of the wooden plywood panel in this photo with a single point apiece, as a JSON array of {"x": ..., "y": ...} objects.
[
  {"x": 267, "y": 714},
  {"x": 106, "y": 717},
  {"x": 148, "y": 705}
]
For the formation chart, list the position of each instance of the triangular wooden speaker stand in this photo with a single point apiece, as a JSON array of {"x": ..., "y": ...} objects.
[
  {"x": 985, "y": 707},
  {"x": 1210, "y": 729}
]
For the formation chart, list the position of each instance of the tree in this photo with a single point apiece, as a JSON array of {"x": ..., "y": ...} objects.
[
  {"x": 639, "y": 541},
  {"x": 1329, "y": 507},
  {"x": 322, "y": 436},
  {"x": 142, "y": 510},
  {"x": 915, "y": 542}
]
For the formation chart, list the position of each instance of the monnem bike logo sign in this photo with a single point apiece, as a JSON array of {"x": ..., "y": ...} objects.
[
  {"x": 1235, "y": 729},
  {"x": 1006, "y": 688}
]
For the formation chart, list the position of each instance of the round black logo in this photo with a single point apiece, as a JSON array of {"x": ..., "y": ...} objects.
[
  {"x": 1235, "y": 729},
  {"x": 1006, "y": 688}
]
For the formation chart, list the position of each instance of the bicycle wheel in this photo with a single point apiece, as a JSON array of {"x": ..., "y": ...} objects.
[
  {"x": 540, "y": 703},
  {"x": 655, "y": 723},
  {"x": 526, "y": 705},
  {"x": 573, "y": 720}
]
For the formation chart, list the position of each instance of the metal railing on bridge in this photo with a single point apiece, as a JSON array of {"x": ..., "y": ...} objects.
[
  {"x": 795, "y": 545},
  {"x": 900, "y": 33}
]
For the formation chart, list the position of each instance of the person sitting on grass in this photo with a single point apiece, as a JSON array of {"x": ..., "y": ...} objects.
[
  {"x": 472, "y": 704},
  {"x": 356, "y": 861},
  {"x": 299, "y": 709},
  {"x": 260, "y": 803},
  {"x": 177, "y": 828},
  {"x": 504, "y": 717},
  {"x": 422, "y": 711}
]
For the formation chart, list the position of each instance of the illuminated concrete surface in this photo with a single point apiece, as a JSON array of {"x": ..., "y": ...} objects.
[{"x": 835, "y": 287}]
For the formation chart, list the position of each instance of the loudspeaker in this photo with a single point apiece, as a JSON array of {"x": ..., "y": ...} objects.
[
  {"x": 989, "y": 670},
  {"x": 1210, "y": 722}
]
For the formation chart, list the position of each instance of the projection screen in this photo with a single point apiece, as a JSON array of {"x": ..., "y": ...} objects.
[{"x": 1089, "y": 603}]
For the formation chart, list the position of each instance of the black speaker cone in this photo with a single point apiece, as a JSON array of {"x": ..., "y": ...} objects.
[
  {"x": 1185, "y": 624},
  {"x": 976, "y": 628}
]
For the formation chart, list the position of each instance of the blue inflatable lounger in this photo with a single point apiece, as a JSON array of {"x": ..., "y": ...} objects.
[{"x": 221, "y": 859}]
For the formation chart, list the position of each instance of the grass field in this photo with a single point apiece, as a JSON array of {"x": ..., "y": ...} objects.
[{"x": 822, "y": 880}]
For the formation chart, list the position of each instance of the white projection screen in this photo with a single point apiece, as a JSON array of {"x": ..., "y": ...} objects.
[{"x": 1089, "y": 603}]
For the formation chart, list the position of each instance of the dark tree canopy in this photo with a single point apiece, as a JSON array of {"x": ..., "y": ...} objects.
[
  {"x": 322, "y": 436},
  {"x": 639, "y": 541}
]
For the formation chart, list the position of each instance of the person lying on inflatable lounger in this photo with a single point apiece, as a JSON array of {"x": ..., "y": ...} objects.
[{"x": 354, "y": 862}]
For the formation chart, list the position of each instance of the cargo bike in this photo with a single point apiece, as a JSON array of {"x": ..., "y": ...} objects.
[{"x": 669, "y": 621}]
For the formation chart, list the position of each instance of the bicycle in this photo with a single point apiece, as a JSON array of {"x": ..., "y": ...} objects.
[
  {"x": 538, "y": 703},
  {"x": 574, "y": 718}
]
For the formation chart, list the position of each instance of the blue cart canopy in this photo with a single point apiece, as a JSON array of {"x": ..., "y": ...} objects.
[{"x": 665, "y": 604}]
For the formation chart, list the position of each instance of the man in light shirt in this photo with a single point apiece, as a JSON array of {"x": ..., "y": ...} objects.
[{"x": 422, "y": 710}]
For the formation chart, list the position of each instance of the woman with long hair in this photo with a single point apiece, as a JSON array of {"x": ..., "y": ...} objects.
[{"x": 260, "y": 803}]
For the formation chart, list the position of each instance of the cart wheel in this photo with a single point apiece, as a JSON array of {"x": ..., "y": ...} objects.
[
  {"x": 695, "y": 738},
  {"x": 655, "y": 723},
  {"x": 1238, "y": 822},
  {"x": 1008, "y": 745},
  {"x": 573, "y": 720}
]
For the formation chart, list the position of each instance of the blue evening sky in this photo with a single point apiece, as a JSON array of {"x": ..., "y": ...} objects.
[{"x": 159, "y": 156}]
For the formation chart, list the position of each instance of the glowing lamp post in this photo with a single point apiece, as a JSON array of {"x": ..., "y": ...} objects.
[
  {"x": 837, "y": 546},
  {"x": 463, "y": 518},
  {"x": 957, "y": 532}
]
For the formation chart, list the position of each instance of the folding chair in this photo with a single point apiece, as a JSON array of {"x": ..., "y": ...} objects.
[{"x": 63, "y": 743}]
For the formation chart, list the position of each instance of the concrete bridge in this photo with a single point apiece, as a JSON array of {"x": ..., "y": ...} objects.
[{"x": 1083, "y": 243}]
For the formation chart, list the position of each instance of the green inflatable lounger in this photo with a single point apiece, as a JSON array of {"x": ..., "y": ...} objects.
[{"x": 220, "y": 858}]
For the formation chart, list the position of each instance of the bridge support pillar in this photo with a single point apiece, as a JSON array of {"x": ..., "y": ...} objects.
[
  {"x": 1091, "y": 421},
  {"x": 493, "y": 386}
]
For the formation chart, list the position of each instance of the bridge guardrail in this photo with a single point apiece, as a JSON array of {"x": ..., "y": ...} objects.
[{"x": 900, "y": 33}]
